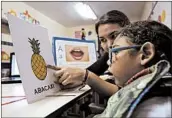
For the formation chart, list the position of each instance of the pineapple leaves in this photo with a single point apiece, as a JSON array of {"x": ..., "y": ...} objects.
[{"x": 34, "y": 45}]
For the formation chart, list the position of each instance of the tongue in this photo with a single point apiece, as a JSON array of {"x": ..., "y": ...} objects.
[{"x": 77, "y": 54}]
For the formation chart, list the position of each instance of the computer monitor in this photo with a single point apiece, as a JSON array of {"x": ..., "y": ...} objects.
[{"x": 14, "y": 71}]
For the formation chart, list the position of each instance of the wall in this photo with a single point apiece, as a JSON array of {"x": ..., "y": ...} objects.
[
  {"x": 162, "y": 13},
  {"x": 53, "y": 27},
  {"x": 93, "y": 36},
  {"x": 158, "y": 12},
  {"x": 147, "y": 10}
]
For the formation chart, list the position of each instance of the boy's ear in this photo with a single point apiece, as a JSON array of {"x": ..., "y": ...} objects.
[{"x": 148, "y": 52}]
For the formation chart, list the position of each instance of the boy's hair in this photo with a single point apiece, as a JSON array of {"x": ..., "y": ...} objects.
[
  {"x": 113, "y": 17},
  {"x": 154, "y": 32}
]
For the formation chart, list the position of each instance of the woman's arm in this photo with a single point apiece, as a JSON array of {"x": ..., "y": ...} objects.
[{"x": 71, "y": 76}]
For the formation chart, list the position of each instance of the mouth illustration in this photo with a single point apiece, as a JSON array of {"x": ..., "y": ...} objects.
[{"x": 77, "y": 53}]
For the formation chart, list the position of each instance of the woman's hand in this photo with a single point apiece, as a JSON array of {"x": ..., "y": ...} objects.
[{"x": 68, "y": 76}]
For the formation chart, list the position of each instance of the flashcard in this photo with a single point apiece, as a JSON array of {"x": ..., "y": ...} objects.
[
  {"x": 74, "y": 52},
  {"x": 33, "y": 52}
]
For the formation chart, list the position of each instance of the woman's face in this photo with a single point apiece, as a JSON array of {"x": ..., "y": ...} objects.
[
  {"x": 106, "y": 34},
  {"x": 124, "y": 65},
  {"x": 76, "y": 53}
]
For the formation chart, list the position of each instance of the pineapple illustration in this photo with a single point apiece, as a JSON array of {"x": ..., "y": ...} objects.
[{"x": 37, "y": 61}]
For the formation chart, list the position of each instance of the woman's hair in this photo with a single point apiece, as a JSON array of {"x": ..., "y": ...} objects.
[
  {"x": 113, "y": 17},
  {"x": 154, "y": 32}
]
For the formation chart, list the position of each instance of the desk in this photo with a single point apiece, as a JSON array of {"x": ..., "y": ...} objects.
[
  {"x": 48, "y": 107},
  {"x": 10, "y": 80}
]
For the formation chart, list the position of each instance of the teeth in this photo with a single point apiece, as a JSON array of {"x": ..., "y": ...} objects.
[{"x": 77, "y": 50}]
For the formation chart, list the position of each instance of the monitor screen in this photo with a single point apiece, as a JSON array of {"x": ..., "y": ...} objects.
[{"x": 14, "y": 68}]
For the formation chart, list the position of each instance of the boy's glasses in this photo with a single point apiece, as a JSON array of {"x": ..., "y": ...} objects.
[{"x": 118, "y": 49}]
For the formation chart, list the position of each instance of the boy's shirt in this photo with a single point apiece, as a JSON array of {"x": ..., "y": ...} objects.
[{"x": 123, "y": 103}]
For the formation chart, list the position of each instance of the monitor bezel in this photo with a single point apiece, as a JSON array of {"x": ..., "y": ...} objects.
[{"x": 11, "y": 55}]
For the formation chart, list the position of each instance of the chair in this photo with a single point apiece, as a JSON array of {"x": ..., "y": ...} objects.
[{"x": 97, "y": 108}]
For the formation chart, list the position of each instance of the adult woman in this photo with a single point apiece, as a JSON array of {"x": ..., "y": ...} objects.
[{"x": 106, "y": 27}]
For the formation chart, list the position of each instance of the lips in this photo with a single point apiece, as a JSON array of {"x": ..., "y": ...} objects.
[{"x": 77, "y": 53}]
